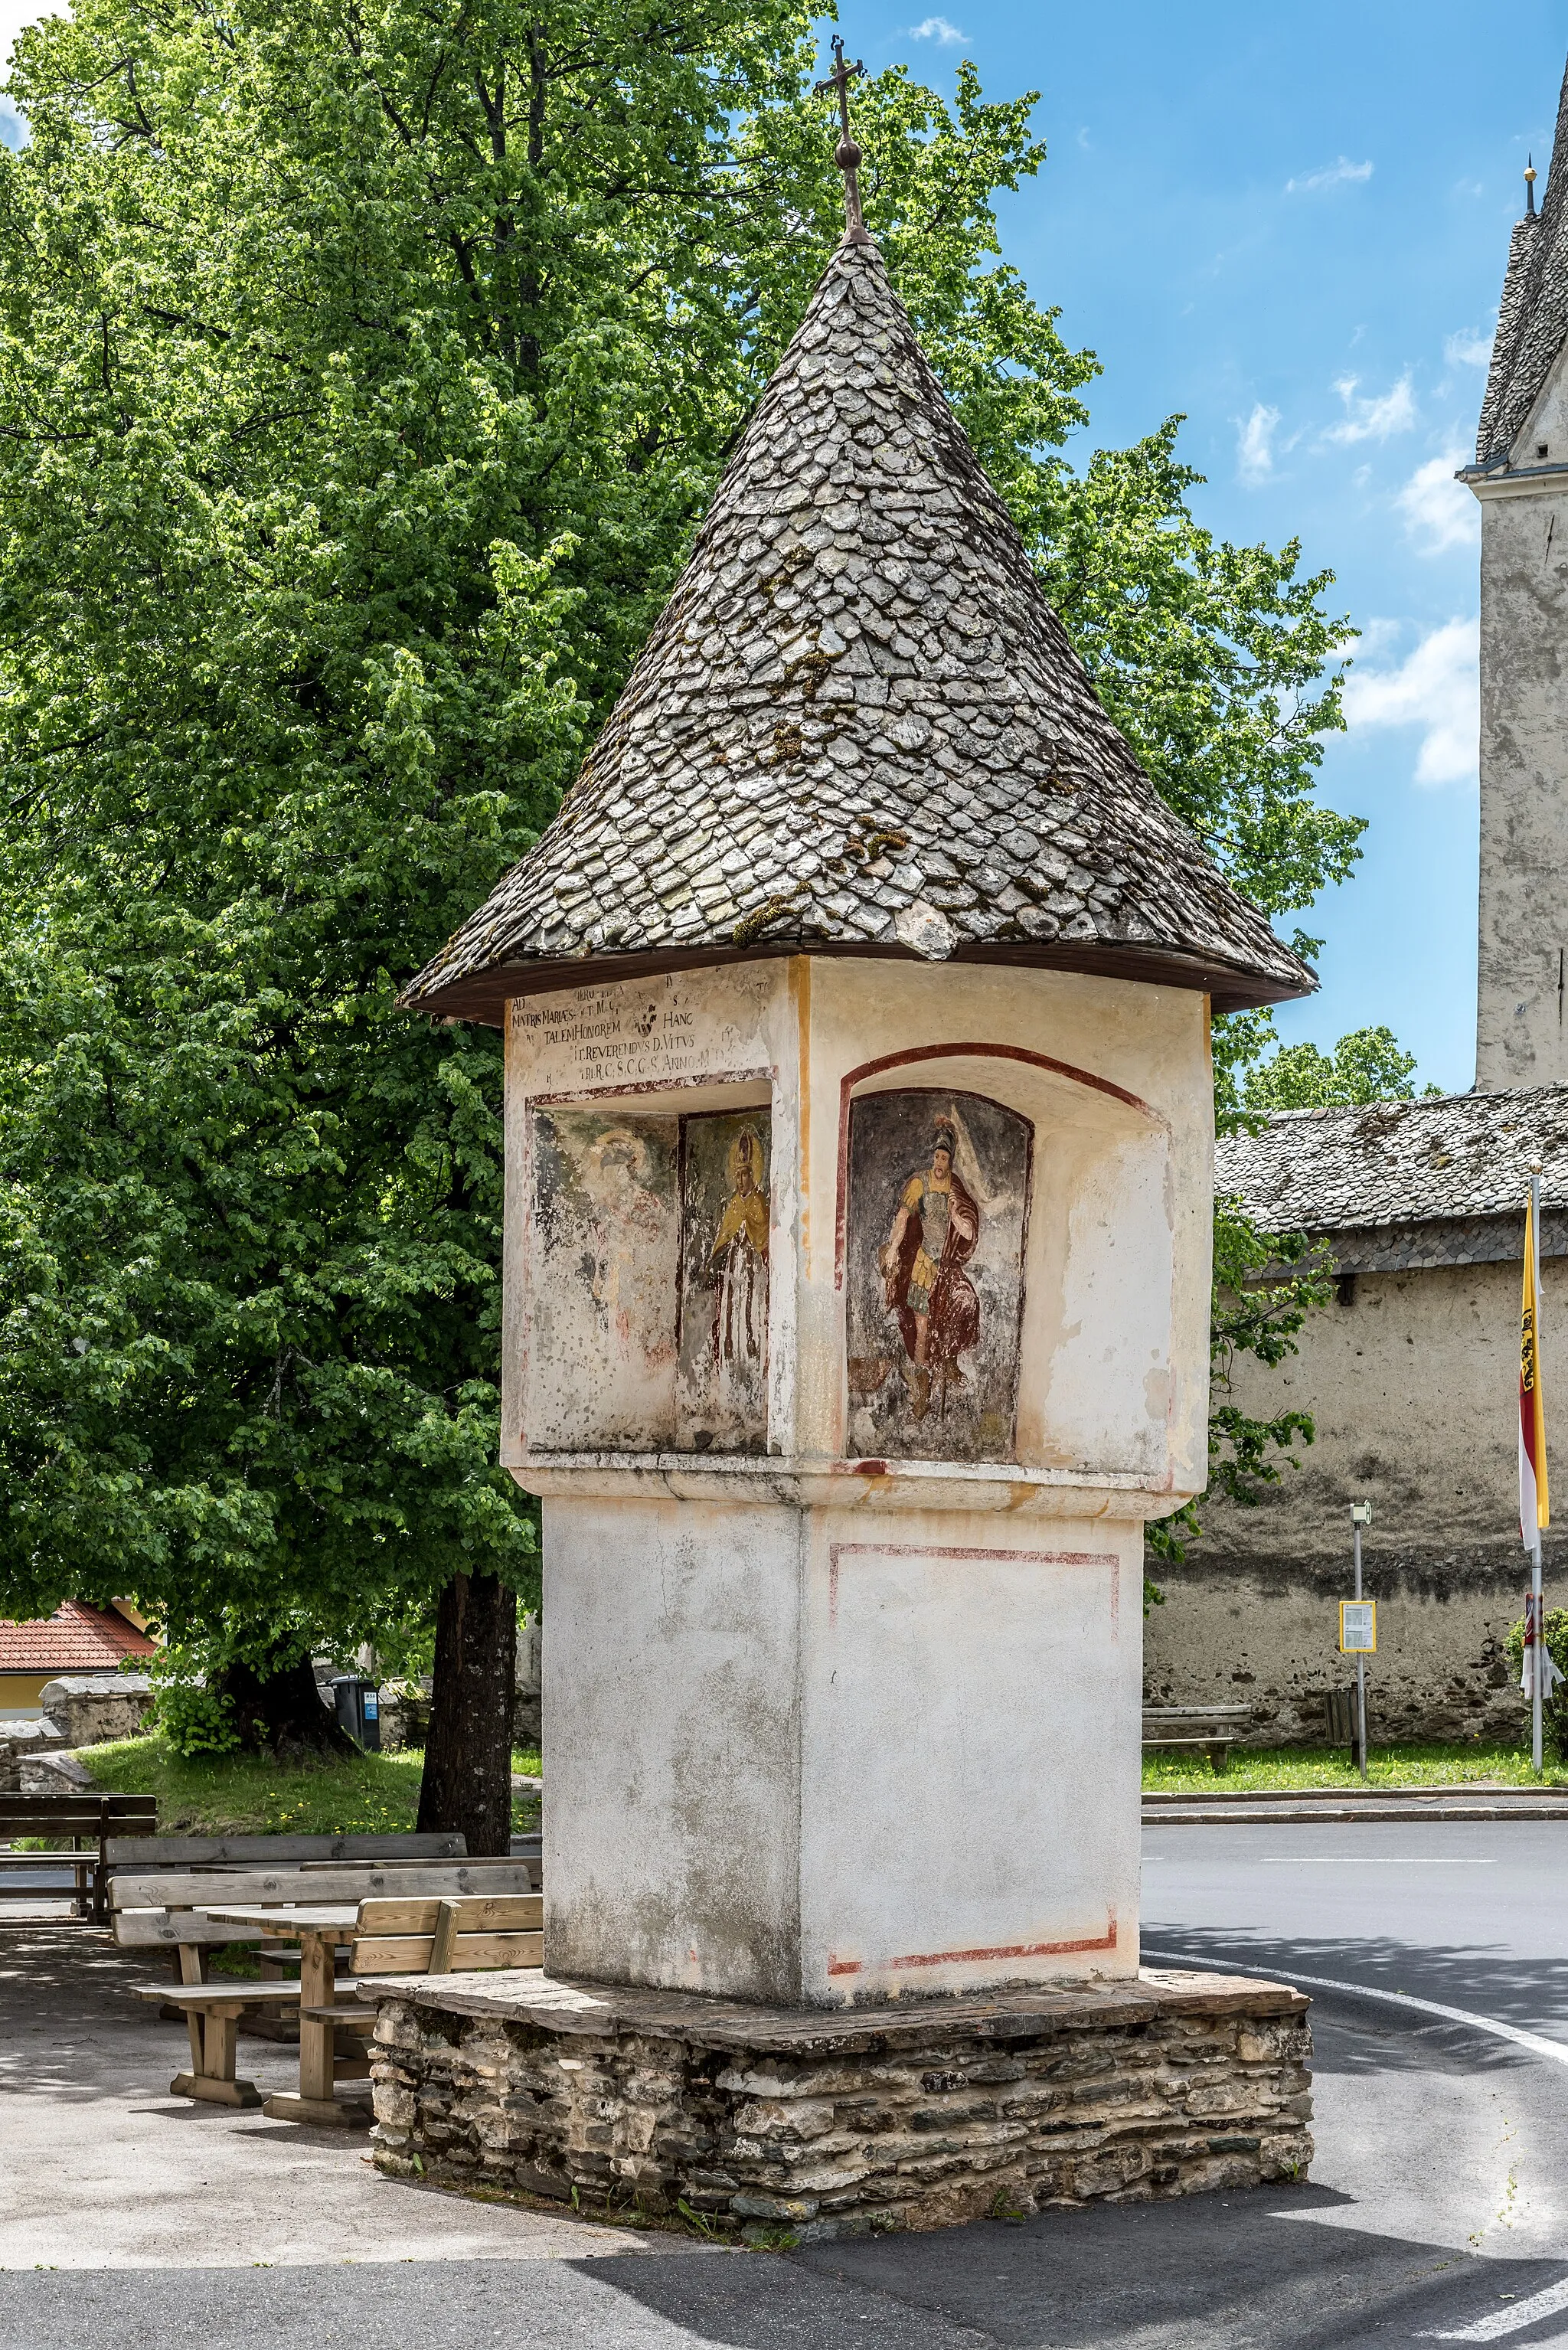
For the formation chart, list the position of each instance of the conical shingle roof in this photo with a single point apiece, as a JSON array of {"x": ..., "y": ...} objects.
[
  {"x": 859, "y": 727},
  {"x": 1532, "y": 316}
]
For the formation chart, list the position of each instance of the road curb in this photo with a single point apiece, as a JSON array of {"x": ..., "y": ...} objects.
[
  {"x": 1343, "y": 1810},
  {"x": 1461, "y": 1791}
]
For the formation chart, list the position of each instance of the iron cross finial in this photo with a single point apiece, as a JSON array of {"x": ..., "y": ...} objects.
[{"x": 846, "y": 155}]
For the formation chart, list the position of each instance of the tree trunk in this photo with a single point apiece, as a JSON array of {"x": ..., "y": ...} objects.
[
  {"x": 280, "y": 1713},
  {"x": 467, "y": 1783}
]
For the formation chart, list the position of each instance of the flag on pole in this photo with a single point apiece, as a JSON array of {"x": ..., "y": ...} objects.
[
  {"x": 1534, "y": 1507},
  {"x": 1538, "y": 1670}
]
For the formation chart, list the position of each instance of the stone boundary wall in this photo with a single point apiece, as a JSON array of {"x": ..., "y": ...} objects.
[
  {"x": 829, "y": 2126},
  {"x": 1412, "y": 1380},
  {"x": 1244, "y": 1635},
  {"x": 88, "y": 1708}
]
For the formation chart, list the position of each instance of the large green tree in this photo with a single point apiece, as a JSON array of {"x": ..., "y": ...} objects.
[
  {"x": 364, "y": 369},
  {"x": 1367, "y": 1065}
]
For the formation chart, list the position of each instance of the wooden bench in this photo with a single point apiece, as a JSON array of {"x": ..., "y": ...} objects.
[
  {"x": 1215, "y": 1728},
  {"x": 448, "y": 1934},
  {"x": 91, "y": 1822},
  {"x": 396, "y": 1936},
  {"x": 272, "y": 1851},
  {"x": 168, "y": 1910},
  {"x": 445, "y": 1936},
  {"x": 212, "y": 2014}
]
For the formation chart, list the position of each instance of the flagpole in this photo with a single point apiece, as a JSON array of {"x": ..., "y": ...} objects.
[
  {"x": 1536, "y": 1595},
  {"x": 1360, "y": 1665}
]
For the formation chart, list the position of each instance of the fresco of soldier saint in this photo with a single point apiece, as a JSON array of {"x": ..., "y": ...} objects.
[
  {"x": 934, "y": 1235},
  {"x": 938, "y": 1186}
]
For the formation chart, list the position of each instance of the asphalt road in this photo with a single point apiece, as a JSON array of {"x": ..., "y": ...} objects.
[{"x": 1437, "y": 2212}]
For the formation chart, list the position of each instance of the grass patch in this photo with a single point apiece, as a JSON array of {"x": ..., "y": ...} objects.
[
  {"x": 1409, "y": 1765},
  {"x": 240, "y": 1795}
]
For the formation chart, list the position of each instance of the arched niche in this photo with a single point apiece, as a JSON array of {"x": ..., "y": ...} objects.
[{"x": 1096, "y": 1222}]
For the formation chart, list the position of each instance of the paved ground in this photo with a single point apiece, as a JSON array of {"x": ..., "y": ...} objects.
[{"x": 1439, "y": 2207}]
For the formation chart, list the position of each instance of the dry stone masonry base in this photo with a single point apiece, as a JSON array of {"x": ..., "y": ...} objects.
[{"x": 920, "y": 2115}]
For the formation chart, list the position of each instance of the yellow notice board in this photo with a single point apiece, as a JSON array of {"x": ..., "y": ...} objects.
[{"x": 1358, "y": 1628}]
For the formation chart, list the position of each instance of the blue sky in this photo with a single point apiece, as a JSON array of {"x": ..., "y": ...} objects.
[{"x": 1291, "y": 224}]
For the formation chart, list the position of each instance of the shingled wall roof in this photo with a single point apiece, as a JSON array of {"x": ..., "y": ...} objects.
[
  {"x": 1532, "y": 316},
  {"x": 859, "y": 727},
  {"x": 1459, "y": 1156}
]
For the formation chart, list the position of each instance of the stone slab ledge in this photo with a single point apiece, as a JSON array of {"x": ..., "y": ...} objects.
[
  {"x": 528, "y": 1995},
  {"x": 916, "y": 2114}
]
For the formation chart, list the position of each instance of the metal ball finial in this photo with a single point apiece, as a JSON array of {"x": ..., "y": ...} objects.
[{"x": 846, "y": 155}]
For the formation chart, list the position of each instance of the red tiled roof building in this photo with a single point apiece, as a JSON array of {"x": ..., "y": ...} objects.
[{"x": 77, "y": 1638}]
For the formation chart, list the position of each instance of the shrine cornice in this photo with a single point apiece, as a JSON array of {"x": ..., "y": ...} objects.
[{"x": 1082, "y": 1491}]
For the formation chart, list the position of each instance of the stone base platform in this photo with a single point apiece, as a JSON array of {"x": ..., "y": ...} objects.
[{"x": 837, "y": 2123}]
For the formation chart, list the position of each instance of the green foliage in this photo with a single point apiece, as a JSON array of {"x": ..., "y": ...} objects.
[
  {"x": 1279, "y": 1769},
  {"x": 1553, "y": 1709},
  {"x": 242, "y": 1794},
  {"x": 1265, "y": 1286},
  {"x": 363, "y": 374},
  {"x": 1218, "y": 662},
  {"x": 1368, "y": 1066},
  {"x": 192, "y": 1718}
]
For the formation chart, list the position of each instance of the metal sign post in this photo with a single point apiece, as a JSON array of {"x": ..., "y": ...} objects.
[
  {"x": 1537, "y": 1623},
  {"x": 1360, "y": 1515}
]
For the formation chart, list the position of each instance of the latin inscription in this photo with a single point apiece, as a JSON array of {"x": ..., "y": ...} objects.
[{"x": 613, "y": 1036}]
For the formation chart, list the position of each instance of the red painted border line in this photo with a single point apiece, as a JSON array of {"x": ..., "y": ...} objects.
[
  {"x": 852, "y": 1077},
  {"x": 955, "y": 1549},
  {"x": 1105, "y": 1941},
  {"x": 835, "y": 1551}
]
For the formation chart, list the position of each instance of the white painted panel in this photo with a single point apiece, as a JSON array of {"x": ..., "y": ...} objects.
[
  {"x": 601, "y": 1317},
  {"x": 1110, "y": 1395},
  {"x": 671, "y": 1736},
  {"x": 970, "y": 1760}
]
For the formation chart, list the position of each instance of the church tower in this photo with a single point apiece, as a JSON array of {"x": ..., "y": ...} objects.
[{"x": 1520, "y": 477}]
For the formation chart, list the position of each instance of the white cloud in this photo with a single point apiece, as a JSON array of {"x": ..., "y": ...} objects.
[
  {"x": 1467, "y": 350},
  {"x": 1436, "y": 688},
  {"x": 1255, "y": 445},
  {"x": 1329, "y": 175},
  {"x": 1438, "y": 510},
  {"x": 937, "y": 30},
  {"x": 1374, "y": 420},
  {"x": 1378, "y": 636}
]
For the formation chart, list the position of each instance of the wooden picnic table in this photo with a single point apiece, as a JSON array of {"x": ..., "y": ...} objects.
[{"x": 319, "y": 1928}]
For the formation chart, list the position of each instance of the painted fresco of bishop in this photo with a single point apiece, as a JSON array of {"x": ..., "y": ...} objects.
[
  {"x": 935, "y": 1232},
  {"x": 738, "y": 1263}
]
